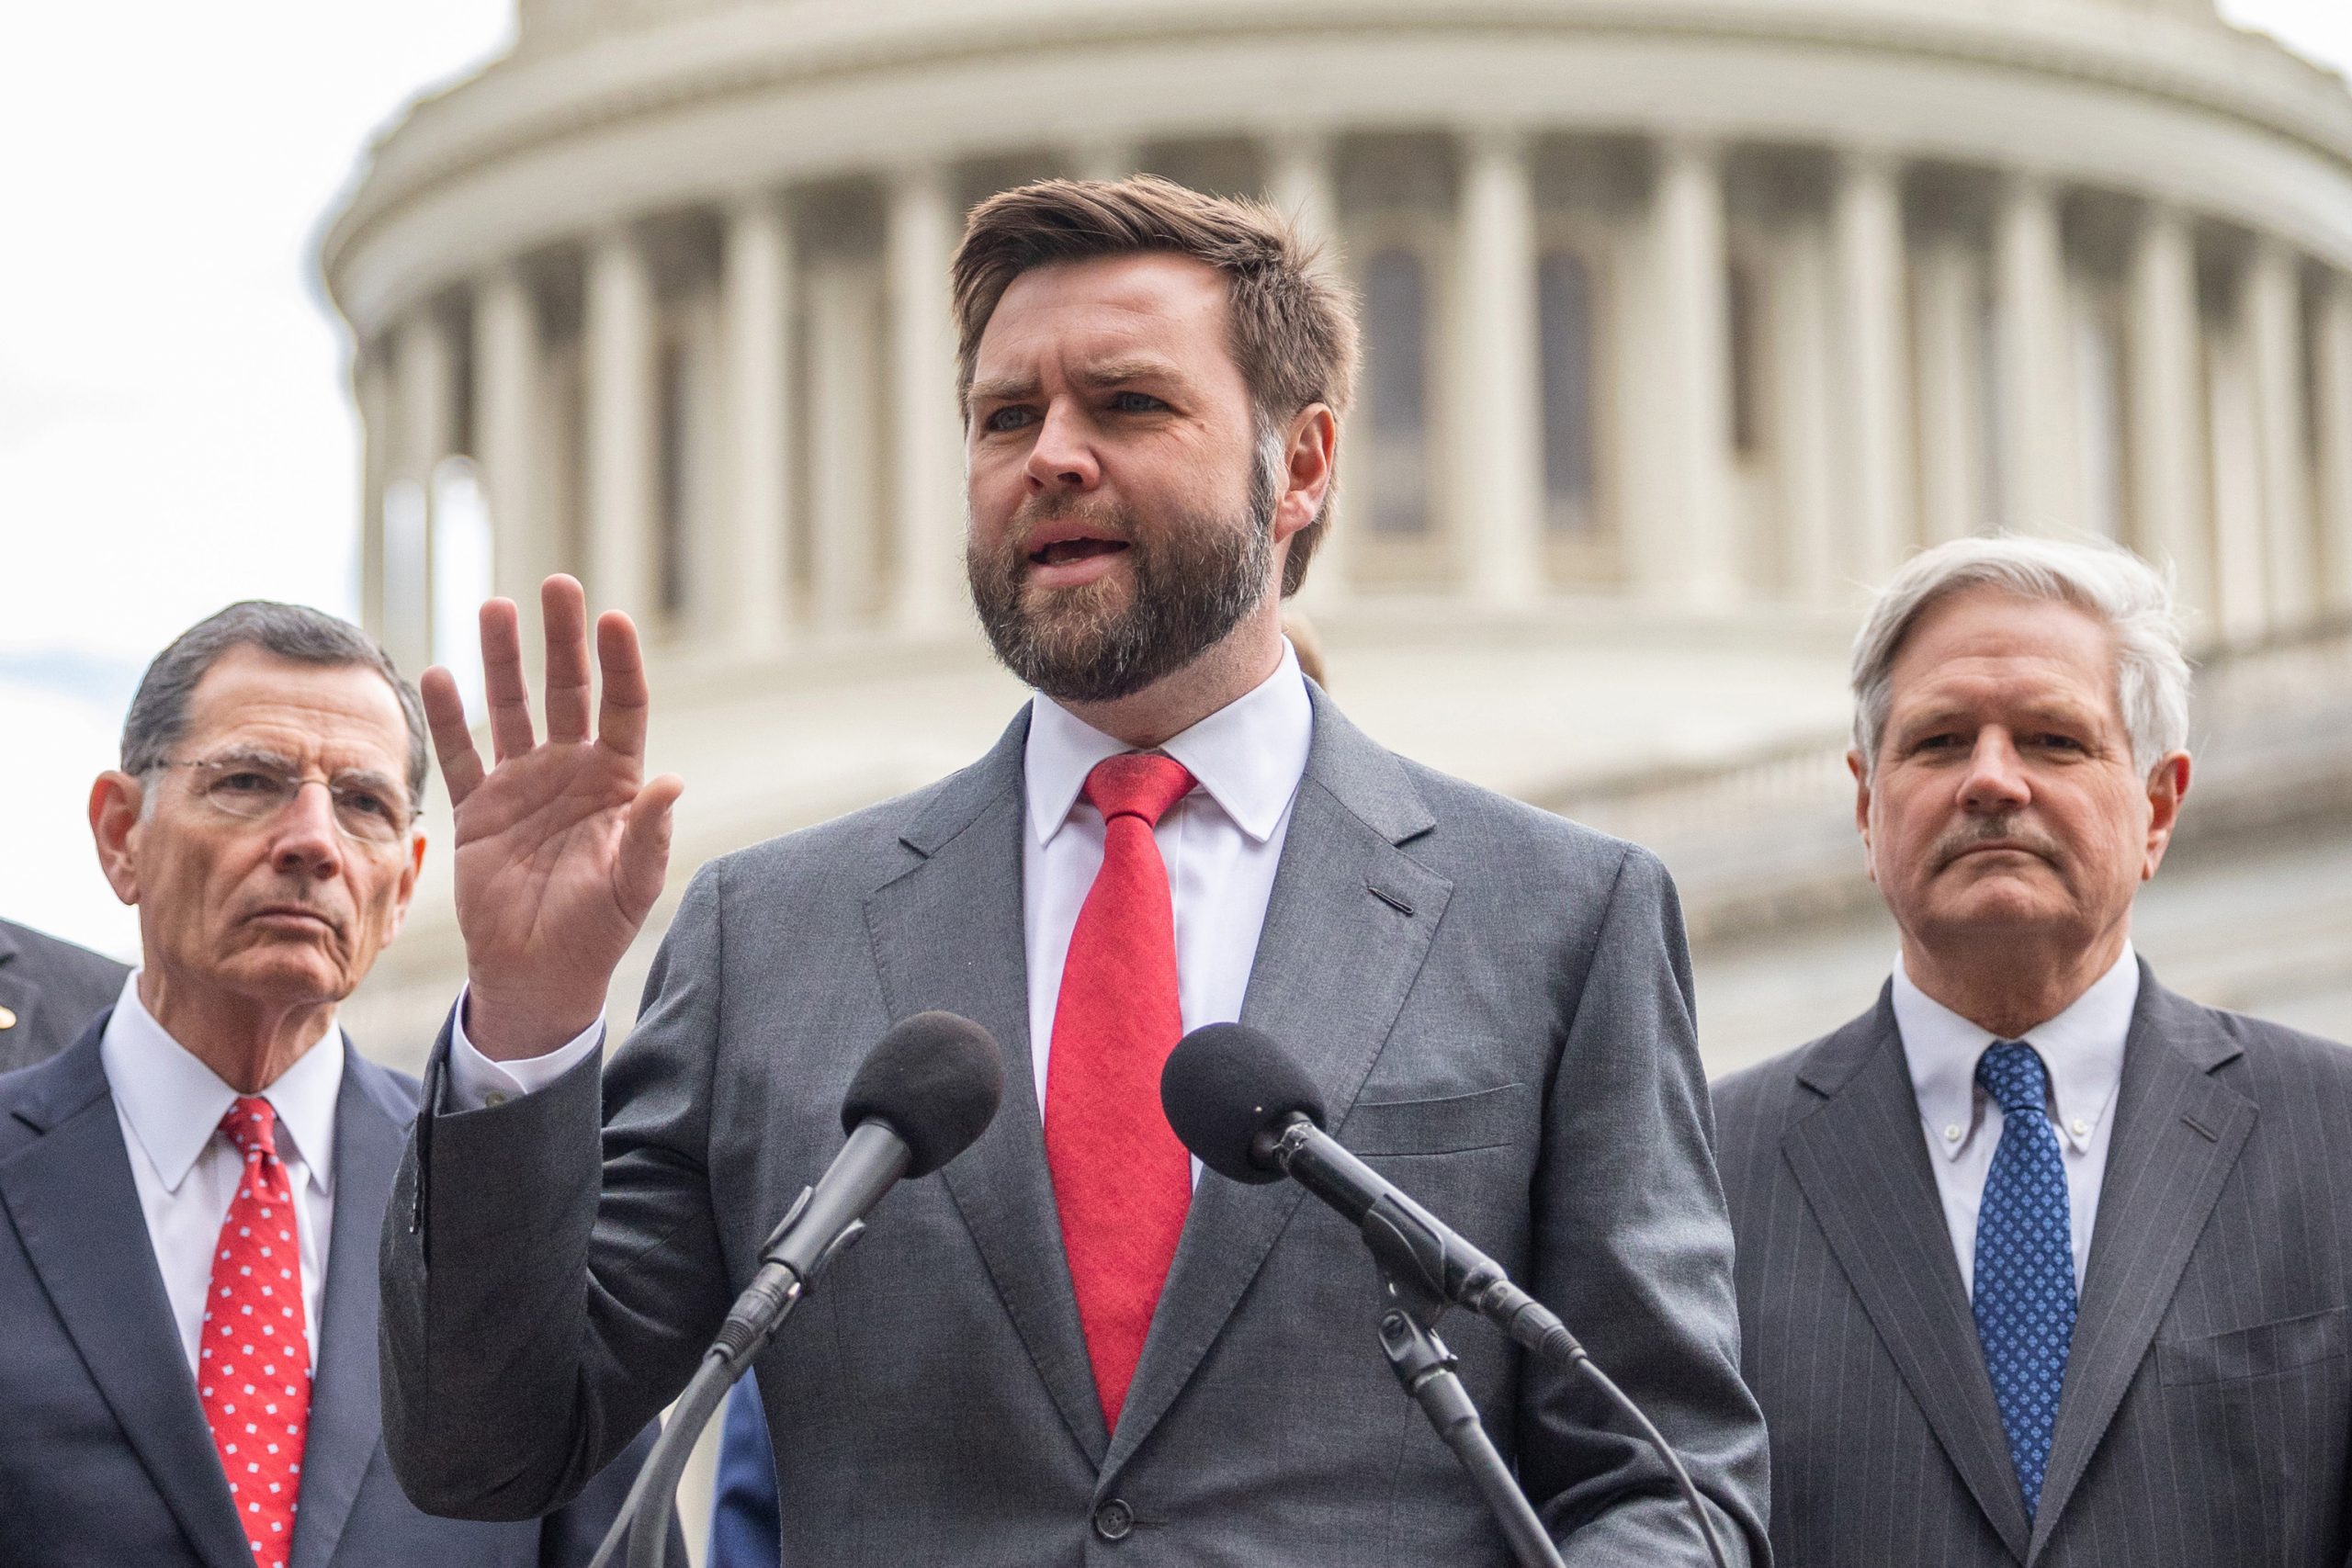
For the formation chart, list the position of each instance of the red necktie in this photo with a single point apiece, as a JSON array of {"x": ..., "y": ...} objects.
[
  {"x": 253, "y": 1375},
  {"x": 1121, "y": 1180}
]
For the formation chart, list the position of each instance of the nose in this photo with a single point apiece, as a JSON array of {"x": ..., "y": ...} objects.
[
  {"x": 1063, "y": 456},
  {"x": 306, "y": 842},
  {"x": 1996, "y": 780}
]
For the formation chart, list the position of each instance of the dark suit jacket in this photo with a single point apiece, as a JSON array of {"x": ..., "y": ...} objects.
[
  {"x": 54, "y": 989},
  {"x": 1496, "y": 1002},
  {"x": 104, "y": 1456},
  {"x": 2209, "y": 1393}
]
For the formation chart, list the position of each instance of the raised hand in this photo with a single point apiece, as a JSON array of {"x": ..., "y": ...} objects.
[{"x": 562, "y": 845}]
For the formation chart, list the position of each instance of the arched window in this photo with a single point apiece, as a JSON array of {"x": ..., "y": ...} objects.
[{"x": 1397, "y": 387}]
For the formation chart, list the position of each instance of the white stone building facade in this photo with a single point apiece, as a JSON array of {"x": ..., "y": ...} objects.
[{"x": 1685, "y": 319}]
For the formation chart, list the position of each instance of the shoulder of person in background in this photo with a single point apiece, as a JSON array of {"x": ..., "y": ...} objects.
[{"x": 50, "y": 989}]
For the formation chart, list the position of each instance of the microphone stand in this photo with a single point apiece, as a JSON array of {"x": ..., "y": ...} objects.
[
  {"x": 1412, "y": 1266},
  {"x": 1425, "y": 1368},
  {"x": 644, "y": 1517}
]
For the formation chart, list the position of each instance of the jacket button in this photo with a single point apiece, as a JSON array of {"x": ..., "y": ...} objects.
[{"x": 1113, "y": 1519}]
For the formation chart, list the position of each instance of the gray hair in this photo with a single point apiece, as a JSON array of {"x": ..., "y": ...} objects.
[
  {"x": 2102, "y": 579},
  {"x": 158, "y": 716}
]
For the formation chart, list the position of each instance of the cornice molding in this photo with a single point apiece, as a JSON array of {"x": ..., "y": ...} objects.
[{"x": 543, "y": 98}]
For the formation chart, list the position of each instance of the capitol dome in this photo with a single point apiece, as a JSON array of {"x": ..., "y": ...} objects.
[{"x": 1685, "y": 320}]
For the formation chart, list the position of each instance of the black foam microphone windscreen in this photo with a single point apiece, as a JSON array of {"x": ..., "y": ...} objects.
[
  {"x": 935, "y": 1080},
  {"x": 1225, "y": 1084}
]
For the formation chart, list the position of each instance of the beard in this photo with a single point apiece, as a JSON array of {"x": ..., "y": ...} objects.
[{"x": 1193, "y": 580}]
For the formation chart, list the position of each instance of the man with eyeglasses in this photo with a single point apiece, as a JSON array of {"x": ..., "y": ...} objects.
[{"x": 192, "y": 1196}]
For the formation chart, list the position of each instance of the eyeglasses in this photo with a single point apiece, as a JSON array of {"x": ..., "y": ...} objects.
[{"x": 366, "y": 809}]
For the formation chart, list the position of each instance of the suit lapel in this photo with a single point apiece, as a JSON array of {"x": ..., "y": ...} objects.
[
  {"x": 947, "y": 934},
  {"x": 77, "y": 1212},
  {"x": 1862, "y": 1162},
  {"x": 346, "y": 1416},
  {"x": 2178, "y": 1132},
  {"x": 1346, "y": 931}
]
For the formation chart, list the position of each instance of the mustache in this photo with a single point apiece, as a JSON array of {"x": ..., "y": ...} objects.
[
  {"x": 1066, "y": 506},
  {"x": 1978, "y": 832}
]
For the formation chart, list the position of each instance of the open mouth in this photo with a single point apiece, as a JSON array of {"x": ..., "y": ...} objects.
[{"x": 1061, "y": 552}]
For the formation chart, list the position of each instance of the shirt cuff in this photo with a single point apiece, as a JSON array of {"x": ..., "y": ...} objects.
[{"x": 476, "y": 1081}]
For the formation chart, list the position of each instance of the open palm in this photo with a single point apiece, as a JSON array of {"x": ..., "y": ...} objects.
[{"x": 562, "y": 845}]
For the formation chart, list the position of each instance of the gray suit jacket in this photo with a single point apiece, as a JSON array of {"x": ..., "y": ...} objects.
[
  {"x": 2208, "y": 1395},
  {"x": 54, "y": 989},
  {"x": 1498, "y": 1001},
  {"x": 104, "y": 1456}
]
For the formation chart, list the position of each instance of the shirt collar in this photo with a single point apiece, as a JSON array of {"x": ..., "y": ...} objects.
[
  {"x": 174, "y": 1103},
  {"x": 1248, "y": 756},
  {"x": 2082, "y": 1048}
]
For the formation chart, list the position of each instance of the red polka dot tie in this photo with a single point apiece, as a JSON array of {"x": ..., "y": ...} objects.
[
  {"x": 254, "y": 1367},
  {"x": 1121, "y": 1180}
]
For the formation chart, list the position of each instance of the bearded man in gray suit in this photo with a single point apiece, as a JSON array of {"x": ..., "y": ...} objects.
[
  {"x": 1059, "y": 1351},
  {"x": 2039, "y": 1262}
]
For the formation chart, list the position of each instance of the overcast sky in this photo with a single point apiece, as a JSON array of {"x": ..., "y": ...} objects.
[{"x": 174, "y": 425}]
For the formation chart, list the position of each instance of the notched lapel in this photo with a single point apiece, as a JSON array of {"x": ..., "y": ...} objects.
[
  {"x": 347, "y": 1408},
  {"x": 1862, "y": 1163},
  {"x": 77, "y": 1210},
  {"x": 946, "y": 934},
  {"x": 2178, "y": 1132},
  {"x": 1346, "y": 931}
]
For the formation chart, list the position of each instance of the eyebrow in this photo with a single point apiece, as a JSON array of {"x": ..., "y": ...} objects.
[
  {"x": 1116, "y": 372},
  {"x": 257, "y": 756}
]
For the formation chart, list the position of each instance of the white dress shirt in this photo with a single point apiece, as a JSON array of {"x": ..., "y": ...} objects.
[
  {"x": 186, "y": 1170},
  {"x": 2083, "y": 1050},
  {"x": 1221, "y": 844}
]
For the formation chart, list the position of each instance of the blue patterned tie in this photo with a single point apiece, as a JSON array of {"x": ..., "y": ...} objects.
[{"x": 2025, "y": 1262}]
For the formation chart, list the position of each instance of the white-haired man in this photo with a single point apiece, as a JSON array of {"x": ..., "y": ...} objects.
[{"x": 2039, "y": 1262}]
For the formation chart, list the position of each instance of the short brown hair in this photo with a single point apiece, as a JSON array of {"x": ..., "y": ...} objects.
[{"x": 1293, "y": 332}]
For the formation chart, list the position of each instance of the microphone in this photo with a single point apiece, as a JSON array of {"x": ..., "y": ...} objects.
[
  {"x": 924, "y": 1094},
  {"x": 1250, "y": 1114}
]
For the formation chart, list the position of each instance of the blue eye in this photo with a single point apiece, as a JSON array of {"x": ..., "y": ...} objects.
[
  {"x": 1137, "y": 402},
  {"x": 1010, "y": 418}
]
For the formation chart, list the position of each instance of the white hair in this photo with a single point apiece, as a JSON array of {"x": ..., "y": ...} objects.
[{"x": 2105, "y": 581}]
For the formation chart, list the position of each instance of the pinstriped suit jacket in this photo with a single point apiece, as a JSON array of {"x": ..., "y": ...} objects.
[{"x": 2209, "y": 1393}]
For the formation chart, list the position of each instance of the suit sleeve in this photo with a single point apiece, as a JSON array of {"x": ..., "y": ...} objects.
[
  {"x": 1634, "y": 1249},
  {"x": 569, "y": 1537},
  {"x": 547, "y": 1290}
]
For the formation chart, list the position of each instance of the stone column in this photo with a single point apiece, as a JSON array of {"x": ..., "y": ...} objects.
[
  {"x": 1497, "y": 382},
  {"x": 2035, "y": 440},
  {"x": 617, "y": 360},
  {"x": 2335, "y": 441},
  {"x": 926, "y": 455},
  {"x": 371, "y": 394},
  {"x": 425, "y": 409},
  {"x": 1866, "y": 221},
  {"x": 1807, "y": 316},
  {"x": 1950, "y": 368},
  {"x": 755, "y": 293},
  {"x": 2166, "y": 405},
  {"x": 506, "y": 443},
  {"x": 2274, "y": 327},
  {"x": 1298, "y": 183},
  {"x": 1687, "y": 550}
]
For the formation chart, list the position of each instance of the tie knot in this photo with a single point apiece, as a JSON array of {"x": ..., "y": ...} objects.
[
  {"x": 1137, "y": 784},
  {"x": 2013, "y": 1075},
  {"x": 252, "y": 1125}
]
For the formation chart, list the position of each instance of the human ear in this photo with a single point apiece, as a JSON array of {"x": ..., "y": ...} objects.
[{"x": 115, "y": 801}]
